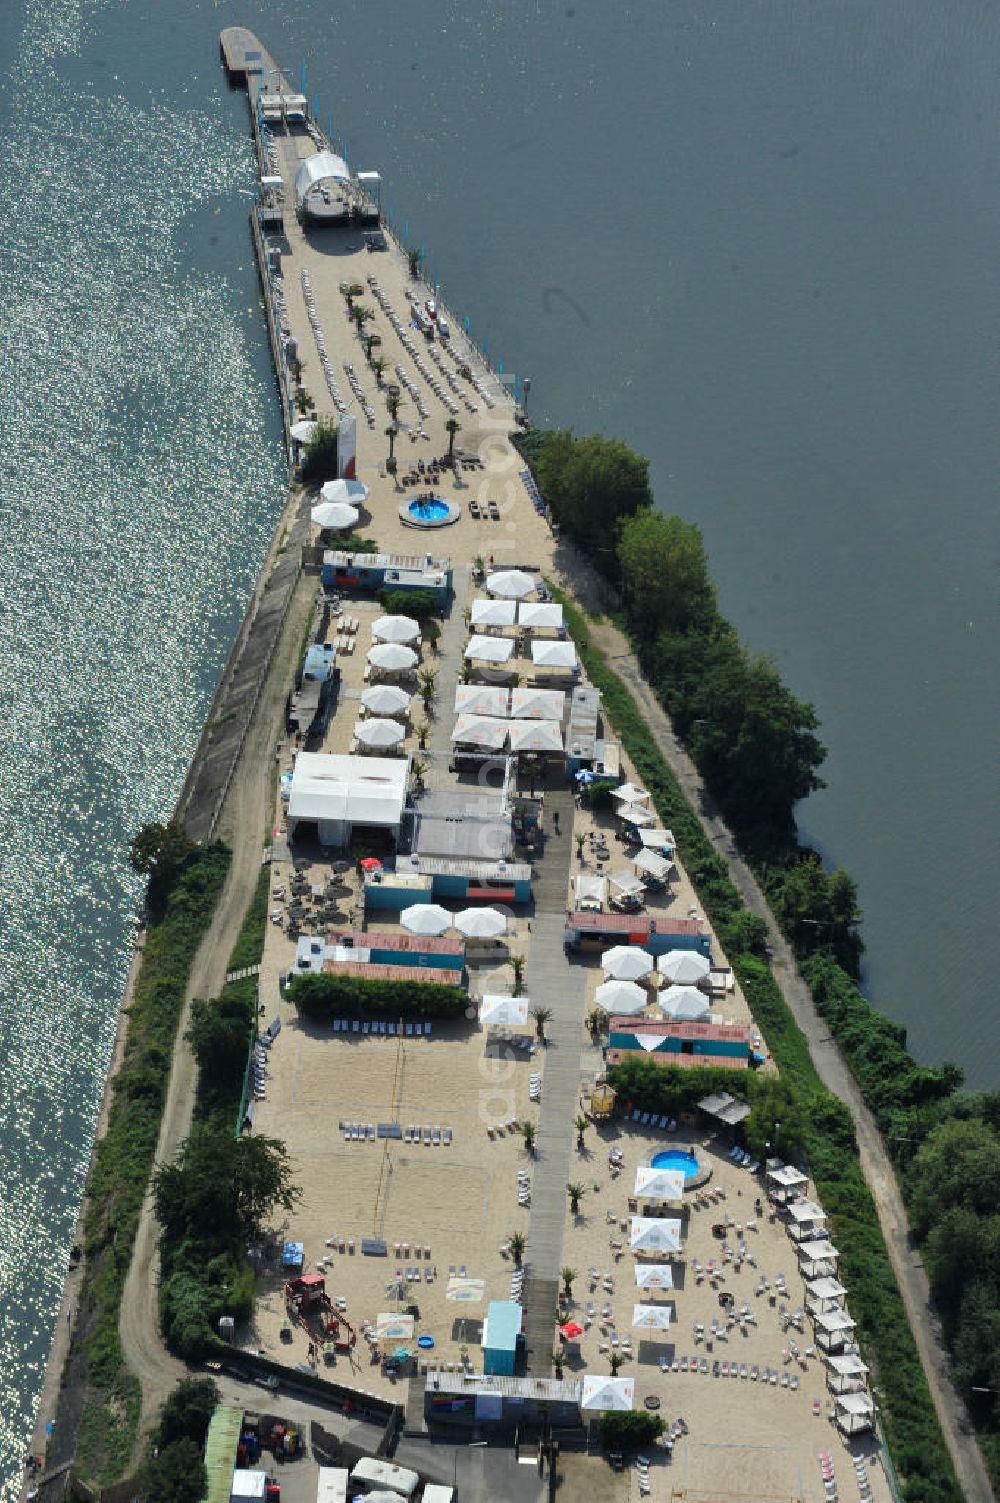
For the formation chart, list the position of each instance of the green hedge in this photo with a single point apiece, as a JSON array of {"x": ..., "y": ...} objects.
[
  {"x": 124, "y": 1159},
  {"x": 329, "y": 995},
  {"x": 917, "y": 1445}
]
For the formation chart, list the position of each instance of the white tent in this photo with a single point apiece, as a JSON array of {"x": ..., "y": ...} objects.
[
  {"x": 658, "y": 840},
  {"x": 540, "y": 615},
  {"x": 386, "y": 699},
  {"x": 481, "y": 923},
  {"x": 635, "y": 814},
  {"x": 303, "y": 430},
  {"x": 627, "y": 962},
  {"x": 379, "y": 733},
  {"x": 490, "y": 649},
  {"x": 825, "y": 1292},
  {"x": 512, "y": 584},
  {"x": 481, "y": 699},
  {"x": 480, "y": 730},
  {"x": 334, "y": 516},
  {"x": 504, "y": 1012},
  {"x": 651, "y": 1317},
  {"x": 652, "y": 1234},
  {"x": 652, "y": 864},
  {"x": 395, "y": 629},
  {"x": 684, "y": 1004},
  {"x": 622, "y": 997},
  {"x": 605, "y": 1394},
  {"x": 854, "y": 1412},
  {"x": 493, "y": 612},
  {"x": 591, "y": 891},
  {"x": 338, "y": 792},
  {"x": 323, "y": 167},
  {"x": 392, "y": 657},
  {"x": 658, "y": 1184},
  {"x": 425, "y": 918},
  {"x": 654, "y": 1276},
  {"x": 553, "y": 655},
  {"x": 629, "y": 793},
  {"x": 353, "y": 492},
  {"x": 535, "y": 736},
  {"x": 537, "y": 704},
  {"x": 626, "y": 883},
  {"x": 684, "y": 967}
]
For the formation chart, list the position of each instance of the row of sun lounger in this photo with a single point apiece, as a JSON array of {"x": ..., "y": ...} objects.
[
  {"x": 720, "y": 1368},
  {"x": 320, "y": 340},
  {"x": 379, "y": 1029},
  {"x": 500, "y": 1129},
  {"x": 430, "y": 1136},
  {"x": 650, "y": 1119}
]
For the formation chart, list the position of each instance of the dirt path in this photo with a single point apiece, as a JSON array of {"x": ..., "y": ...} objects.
[
  {"x": 245, "y": 818},
  {"x": 833, "y": 1071}
]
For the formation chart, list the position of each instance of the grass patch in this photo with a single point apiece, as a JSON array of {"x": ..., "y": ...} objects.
[{"x": 916, "y": 1443}]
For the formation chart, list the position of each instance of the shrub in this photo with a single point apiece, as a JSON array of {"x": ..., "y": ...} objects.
[
  {"x": 329, "y": 994},
  {"x": 319, "y": 457},
  {"x": 627, "y": 1431},
  {"x": 420, "y": 604}
]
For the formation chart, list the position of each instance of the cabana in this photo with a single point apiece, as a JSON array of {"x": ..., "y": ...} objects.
[
  {"x": 392, "y": 657},
  {"x": 387, "y": 699},
  {"x": 554, "y": 655},
  {"x": 651, "y": 1317},
  {"x": 817, "y": 1258},
  {"x": 628, "y": 793},
  {"x": 658, "y": 1184},
  {"x": 724, "y": 1108},
  {"x": 658, "y": 840},
  {"x": 540, "y": 615},
  {"x": 395, "y": 629},
  {"x": 824, "y": 1294},
  {"x": 626, "y": 884},
  {"x": 786, "y": 1182},
  {"x": 599, "y": 1395},
  {"x": 493, "y": 612},
  {"x": 845, "y": 1373},
  {"x": 379, "y": 735},
  {"x": 854, "y": 1413},
  {"x": 489, "y": 650},
  {"x": 481, "y": 699},
  {"x": 538, "y": 704},
  {"x": 636, "y": 814},
  {"x": 807, "y": 1220},
  {"x": 591, "y": 892},
  {"x": 653, "y": 1276},
  {"x": 833, "y": 1329},
  {"x": 652, "y": 1236}
]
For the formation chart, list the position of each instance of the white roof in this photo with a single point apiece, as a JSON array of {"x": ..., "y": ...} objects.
[
  {"x": 512, "y": 584},
  {"x": 395, "y": 629},
  {"x": 856, "y": 1403},
  {"x": 607, "y": 1393},
  {"x": 392, "y": 657},
  {"x": 788, "y": 1177},
  {"x": 481, "y": 730},
  {"x": 493, "y": 612},
  {"x": 658, "y": 840},
  {"x": 658, "y": 1184},
  {"x": 537, "y": 704},
  {"x": 481, "y": 923},
  {"x": 847, "y": 1364},
  {"x": 362, "y": 790},
  {"x": 425, "y": 918},
  {"x": 324, "y": 167},
  {"x": 247, "y": 1484},
  {"x": 436, "y": 1492},
  {"x": 335, "y": 514},
  {"x": 806, "y": 1210},
  {"x": 627, "y": 962},
  {"x": 629, "y": 793},
  {"x": 651, "y": 1317},
  {"x": 654, "y": 1276},
  {"x": 654, "y": 865},
  {"x": 509, "y": 1012},
  {"x": 825, "y": 1289},
  {"x": 553, "y": 654},
  {"x": 332, "y": 1484},
  {"x": 622, "y": 997},
  {"x": 652, "y": 1234},
  {"x": 685, "y": 1004},
  {"x": 834, "y": 1320},
  {"x": 481, "y": 699},
  {"x": 540, "y": 615},
  {"x": 385, "y": 1474},
  {"x": 818, "y": 1251},
  {"x": 490, "y": 649},
  {"x": 683, "y": 966},
  {"x": 376, "y": 732},
  {"x": 351, "y": 491},
  {"x": 386, "y": 699},
  {"x": 535, "y": 735}
]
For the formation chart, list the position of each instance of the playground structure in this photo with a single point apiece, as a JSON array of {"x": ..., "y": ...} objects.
[{"x": 308, "y": 1304}]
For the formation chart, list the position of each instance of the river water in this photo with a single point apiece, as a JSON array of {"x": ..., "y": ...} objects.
[{"x": 754, "y": 238}]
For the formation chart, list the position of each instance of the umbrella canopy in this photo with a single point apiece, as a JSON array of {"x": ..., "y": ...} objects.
[
  {"x": 652, "y": 1234},
  {"x": 395, "y": 629},
  {"x": 304, "y": 431},
  {"x": 685, "y": 1004},
  {"x": 351, "y": 491},
  {"x": 572, "y": 1330},
  {"x": 386, "y": 699},
  {"x": 658, "y": 1184},
  {"x": 585, "y": 776},
  {"x": 622, "y": 997},
  {"x": 504, "y": 1012},
  {"x": 653, "y": 864},
  {"x": 382, "y": 733},
  {"x": 540, "y": 615},
  {"x": 490, "y": 649},
  {"x": 651, "y": 1317},
  {"x": 684, "y": 967},
  {"x": 370, "y": 864},
  {"x": 627, "y": 963},
  {"x": 335, "y": 515},
  {"x": 512, "y": 584},
  {"x": 654, "y": 1276},
  {"x": 607, "y": 1393},
  {"x": 553, "y": 655},
  {"x": 392, "y": 657},
  {"x": 630, "y": 794},
  {"x": 481, "y": 699},
  {"x": 493, "y": 612},
  {"x": 537, "y": 704},
  {"x": 484, "y": 731},
  {"x": 535, "y": 736},
  {"x": 481, "y": 923},
  {"x": 425, "y": 918}
]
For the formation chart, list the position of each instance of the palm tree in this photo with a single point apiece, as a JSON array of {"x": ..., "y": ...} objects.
[
  {"x": 378, "y": 366},
  {"x": 567, "y": 1275},
  {"x": 614, "y": 1362},
  {"x": 541, "y": 1016},
  {"x": 303, "y": 401},
  {"x": 413, "y": 257},
  {"x": 581, "y": 841},
  {"x": 596, "y": 1021},
  {"x": 528, "y": 1130},
  {"x": 576, "y": 1192},
  {"x": 360, "y": 315},
  {"x": 419, "y": 768},
  {"x": 428, "y": 686},
  {"x": 517, "y": 1242},
  {"x": 368, "y": 343},
  {"x": 392, "y": 403},
  {"x": 581, "y": 1124},
  {"x": 517, "y": 966},
  {"x": 452, "y": 426},
  {"x": 558, "y": 1358},
  {"x": 423, "y": 731}
]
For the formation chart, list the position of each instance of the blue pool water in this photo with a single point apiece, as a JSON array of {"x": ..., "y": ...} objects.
[
  {"x": 676, "y": 1158},
  {"x": 432, "y": 510}
]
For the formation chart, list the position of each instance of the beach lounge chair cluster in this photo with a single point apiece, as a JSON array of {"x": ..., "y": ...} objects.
[
  {"x": 378, "y": 1029},
  {"x": 743, "y": 1160},
  {"x": 652, "y": 1119},
  {"x": 533, "y": 492},
  {"x": 465, "y": 369},
  {"x": 517, "y": 1285},
  {"x": 358, "y": 1132},
  {"x": 259, "y": 1064},
  {"x": 722, "y": 1368},
  {"x": 405, "y": 379},
  {"x": 523, "y": 1187},
  {"x": 502, "y": 1129},
  {"x": 642, "y": 1476},
  {"x": 535, "y": 1087},
  {"x": 359, "y": 393},
  {"x": 828, "y": 1473},
  {"x": 320, "y": 341},
  {"x": 430, "y": 1137}
]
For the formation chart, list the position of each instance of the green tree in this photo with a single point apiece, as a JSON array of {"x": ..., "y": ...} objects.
[
  {"x": 187, "y": 1411},
  {"x": 624, "y": 1431},
  {"x": 176, "y": 1475},
  {"x": 420, "y": 605},
  {"x": 541, "y": 1015},
  {"x": 219, "y": 1035},
  {"x": 665, "y": 571},
  {"x": 516, "y": 963},
  {"x": 159, "y": 852},
  {"x": 591, "y": 484},
  {"x": 319, "y": 457},
  {"x": 219, "y": 1184}
]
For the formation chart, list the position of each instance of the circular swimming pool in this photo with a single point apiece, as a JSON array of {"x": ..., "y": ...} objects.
[
  {"x": 429, "y": 509},
  {"x": 678, "y": 1158}
]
